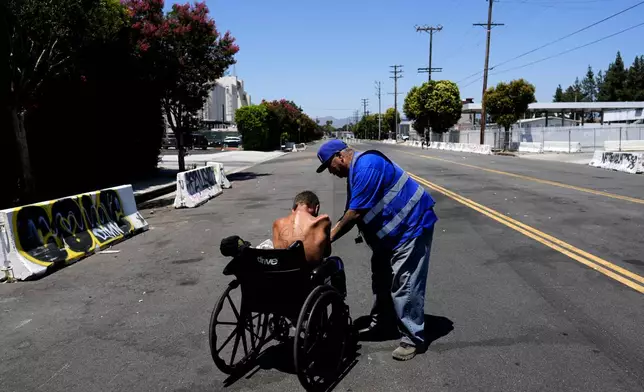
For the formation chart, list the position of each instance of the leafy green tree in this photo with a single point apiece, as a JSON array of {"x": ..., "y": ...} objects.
[
  {"x": 253, "y": 124},
  {"x": 328, "y": 127},
  {"x": 389, "y": 120},
  {"x": 44, "y": 41},
  {"x": 435, "y": 104},
  {"x": 599, "y": 82},
  {"x": 507, "y": 103},
  {"x": 559, "y": 95},
  {"x": 367, "y": 127},
  {"x": 613, "y": 84},
  {"x": 635, "y": 80},
  {"x": 265, "y": 126},
  {"x": 569, "y": 94},
  {"x": 589, "y": 86}
]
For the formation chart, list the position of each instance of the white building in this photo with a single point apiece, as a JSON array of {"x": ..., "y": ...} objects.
[
  {"x": 226, "y": 97},
  {"x": 635, "y": 116},
  {"x": 540, "y": 122}
]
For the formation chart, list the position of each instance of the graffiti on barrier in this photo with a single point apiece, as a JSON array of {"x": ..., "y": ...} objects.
[
  {"x": 69, "y": 227},
  {"x": 198, "y": 180},
  {"x": 629, "y": 160}
]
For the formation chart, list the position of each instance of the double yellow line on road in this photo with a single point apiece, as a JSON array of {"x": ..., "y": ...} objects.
[
  {"x": 534, "y": 179},
  {"x": 607, "y": 268}
]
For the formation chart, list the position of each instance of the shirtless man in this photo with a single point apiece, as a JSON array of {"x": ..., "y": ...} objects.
[{"x": 304, "y": 224}]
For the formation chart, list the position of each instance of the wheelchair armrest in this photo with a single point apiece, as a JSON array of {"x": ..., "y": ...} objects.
[
  {"x": 328, "y": 267},
  {"x": 331, "y": 271}
]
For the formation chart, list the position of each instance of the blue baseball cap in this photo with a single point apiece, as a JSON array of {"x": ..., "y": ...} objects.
[{"x": 327, "y": 151}]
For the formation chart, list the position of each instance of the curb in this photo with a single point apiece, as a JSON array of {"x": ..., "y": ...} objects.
[
  {"x": 145, "y": 196},
  {"x": 506, "y": 154}
]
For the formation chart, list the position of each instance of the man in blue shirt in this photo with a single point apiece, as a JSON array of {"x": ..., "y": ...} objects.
[{"x": 395, "y": 215}]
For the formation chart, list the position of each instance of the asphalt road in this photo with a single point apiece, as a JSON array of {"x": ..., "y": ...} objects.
[{"x": 508, "y": 311}]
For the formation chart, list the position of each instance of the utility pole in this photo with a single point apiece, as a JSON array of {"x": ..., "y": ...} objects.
[
  {"x": 365, "y": 102},
  {"x": 378, "y": 94},
  {"x": 488, "y": 26},
  {"x": 431, "y": 30},
  {"x": 396, "y": 76}
]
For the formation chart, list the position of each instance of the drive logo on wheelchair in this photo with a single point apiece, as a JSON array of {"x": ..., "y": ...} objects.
[{"x": 264, "y": 261}]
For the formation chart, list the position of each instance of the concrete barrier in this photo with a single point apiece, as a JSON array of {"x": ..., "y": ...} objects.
[
  {"x": 462, "y": 147},
  {"x": 626, "y": 162},
  {"x": 44, "y": 236},
  {"x": 530, "y": 147},
  {"x": 549, "y": 146},
  {"x": 220, "y": 174},
  {"x": 195, "y": 187},
  {"x": 626, "y": 145}
]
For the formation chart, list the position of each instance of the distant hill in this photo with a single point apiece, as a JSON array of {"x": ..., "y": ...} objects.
[{"x": 337, "y": 122}]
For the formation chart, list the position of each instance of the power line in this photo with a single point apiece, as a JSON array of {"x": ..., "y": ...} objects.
[
  {"x": 558, "y": 2},
  {"x": 570, "y": 50},
  {"x": 553, "y": 42},
  {"x": 558, "y": 54},
  {"x": 396, "y": 76},
  {"x": 431, "y": 30},
  {"x": 570, "y": 35},
  {"x": 489, "y": 26},
  {"x": 379, "y": 95},
  {"x": 365, "y": 102}
]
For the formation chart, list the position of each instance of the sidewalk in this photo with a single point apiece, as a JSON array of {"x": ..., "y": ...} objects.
[
  {"x": 582, "y": 158},
  {"x": 165, "y": 181}
]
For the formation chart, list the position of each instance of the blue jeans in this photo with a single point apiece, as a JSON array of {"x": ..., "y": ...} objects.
[{"x": 399, "y": 280}]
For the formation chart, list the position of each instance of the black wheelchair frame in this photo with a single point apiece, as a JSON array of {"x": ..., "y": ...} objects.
[{"x": 279, "y": 291}]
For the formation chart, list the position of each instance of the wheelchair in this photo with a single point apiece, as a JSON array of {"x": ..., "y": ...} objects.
[{"x": 273, "y": 292}]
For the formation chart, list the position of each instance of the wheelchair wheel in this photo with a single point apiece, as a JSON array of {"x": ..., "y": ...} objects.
[
  {"x": 321, "y": 337},
  {"x": 236, "y": 336}
]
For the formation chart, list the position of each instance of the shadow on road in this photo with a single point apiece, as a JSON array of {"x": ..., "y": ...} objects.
[
  {"x": 435, "y": 328},
  {"x": 280, "y": 357},
  {"x": 245, "y": 176},
  {"x": 157, "y": 203}
]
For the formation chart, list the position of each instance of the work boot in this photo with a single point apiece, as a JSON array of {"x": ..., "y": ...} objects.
[{"x": 404, "y": 352}]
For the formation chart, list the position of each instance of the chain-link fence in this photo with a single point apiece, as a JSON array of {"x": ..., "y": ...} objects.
[{"x": 587, "y": 138}]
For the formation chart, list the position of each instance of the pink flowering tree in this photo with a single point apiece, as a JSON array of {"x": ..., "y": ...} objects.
[{"x": 187, "y": 54}]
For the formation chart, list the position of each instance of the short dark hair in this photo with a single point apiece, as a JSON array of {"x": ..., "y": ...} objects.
[{"x": 307, "y": 198}]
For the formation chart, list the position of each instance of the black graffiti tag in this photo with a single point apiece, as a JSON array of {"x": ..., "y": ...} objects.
[
  {"x": 36, "y": 235},
  {"x": 198, "y": 180},
  {"x": 75, "y": 223},
  {"x": 617, "y": 159}
]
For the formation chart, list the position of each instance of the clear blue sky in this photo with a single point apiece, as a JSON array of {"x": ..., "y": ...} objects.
[{"x": 326, "y": 55}]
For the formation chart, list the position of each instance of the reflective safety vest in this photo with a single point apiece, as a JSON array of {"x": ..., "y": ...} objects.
[{"x": 404, "y": 210}]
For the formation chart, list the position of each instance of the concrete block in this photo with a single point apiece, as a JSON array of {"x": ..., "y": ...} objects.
[
  {"x": 195, "y": 187},
  {"x": 47, "y": 235},
  {"x": 536, "y": 147},
  {"x": 626, "y": 162},
  {"x": 220, "y": 174},
  {"x": 571, "y": 147},
  {"x": 626, "y": 145}
]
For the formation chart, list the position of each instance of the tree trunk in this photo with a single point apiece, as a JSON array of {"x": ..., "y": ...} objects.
[
  {"x": 506, "y": 142},
  {"x": 18, "y": 121},
  {"x": 181, "y": 156},
  {"x": 175, "y": 125}
]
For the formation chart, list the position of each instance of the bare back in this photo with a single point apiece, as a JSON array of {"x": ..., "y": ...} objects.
[{"x": 314, "y": 232}]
